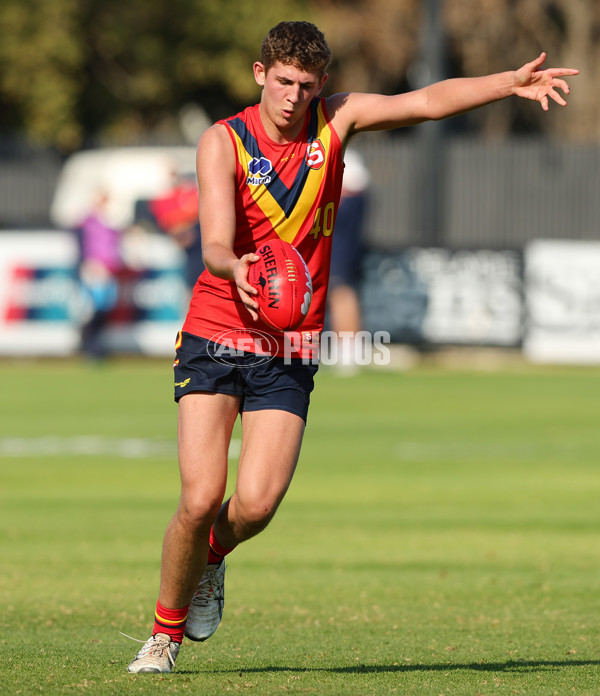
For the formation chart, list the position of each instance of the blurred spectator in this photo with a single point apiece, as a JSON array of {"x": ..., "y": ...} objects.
[
  {"x": 176, "y": 214},
  {"x": 100, "y": 260},
  {"x": 346, "y": 260}
]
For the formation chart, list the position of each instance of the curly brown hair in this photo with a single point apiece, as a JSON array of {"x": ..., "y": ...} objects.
[{"x": 300, "y": 44}]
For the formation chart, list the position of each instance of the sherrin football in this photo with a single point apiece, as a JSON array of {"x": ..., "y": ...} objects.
[{"x": 283, "y": 283}]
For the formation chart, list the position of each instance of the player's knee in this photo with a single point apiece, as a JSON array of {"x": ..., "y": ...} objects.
[
  {"x": 197, "y": 513},
  {"x": 256, "y": 514}
]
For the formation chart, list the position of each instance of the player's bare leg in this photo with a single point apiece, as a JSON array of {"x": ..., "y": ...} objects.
[
  {"x": 205, "y": 424},
  {"x": 345, "y": 316},
  {"x": 204, "y": 431},
  {"x": 271, "y": 442}
]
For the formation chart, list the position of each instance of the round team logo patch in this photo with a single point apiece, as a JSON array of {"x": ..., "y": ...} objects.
[{"x": 315, "y": 154}]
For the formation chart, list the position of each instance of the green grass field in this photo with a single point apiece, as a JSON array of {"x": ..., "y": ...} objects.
[{"x": 441, "y": 537}]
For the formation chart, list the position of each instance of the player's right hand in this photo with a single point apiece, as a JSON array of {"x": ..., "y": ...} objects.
[{"x": 245, "y": 290}]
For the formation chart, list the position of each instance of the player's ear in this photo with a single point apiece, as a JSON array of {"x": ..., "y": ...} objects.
[
  {"x": 322, "y": 82},
  {"x": 259, "y": 73}
]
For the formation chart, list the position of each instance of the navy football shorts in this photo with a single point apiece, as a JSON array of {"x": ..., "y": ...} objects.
[{"x": 261, "y": 382}]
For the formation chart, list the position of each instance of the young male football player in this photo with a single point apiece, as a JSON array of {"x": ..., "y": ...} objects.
[{"x": 273, "y": 170}]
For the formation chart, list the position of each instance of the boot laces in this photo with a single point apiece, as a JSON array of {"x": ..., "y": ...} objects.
[
  {"x": 155, "y": 646},
  {"x": 208, "y": 586}
]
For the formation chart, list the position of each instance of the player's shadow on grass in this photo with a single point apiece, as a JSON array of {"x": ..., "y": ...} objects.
[{"x": 510, "y": 666}]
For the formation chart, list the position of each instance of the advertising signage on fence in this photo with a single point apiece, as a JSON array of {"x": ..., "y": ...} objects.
[
  {"x": 439, "y": 296},
  {"x": 562, "y": 284},
  {"x": 42, "y": 308},
  {"x": 547, "y": 301},
  {"x": 38, "y": 288}
]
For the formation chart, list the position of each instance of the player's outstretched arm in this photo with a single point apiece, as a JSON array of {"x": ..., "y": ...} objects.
[{"x": 356, "y": 112}]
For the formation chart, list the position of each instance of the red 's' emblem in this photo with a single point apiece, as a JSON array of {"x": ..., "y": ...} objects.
[{"x": 315, "y": 154}]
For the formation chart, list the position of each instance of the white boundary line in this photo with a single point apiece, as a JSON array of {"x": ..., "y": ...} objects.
[{"x": 93, "y": 446}]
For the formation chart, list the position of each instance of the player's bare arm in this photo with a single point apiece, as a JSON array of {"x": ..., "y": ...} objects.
[
  {"x": 356, "y": 112},
  {"x": 215, "y": 167}
]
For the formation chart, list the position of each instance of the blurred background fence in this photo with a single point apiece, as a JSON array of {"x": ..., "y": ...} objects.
[
  {"x": 491, "y": 194},
  {"x": 28, "y": 178}
]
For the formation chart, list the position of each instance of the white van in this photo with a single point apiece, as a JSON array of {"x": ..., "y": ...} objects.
[{"x": 125, "y": 175}]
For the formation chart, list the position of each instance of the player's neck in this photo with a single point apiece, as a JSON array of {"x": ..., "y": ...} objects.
[{"x": 280, "y": 133}]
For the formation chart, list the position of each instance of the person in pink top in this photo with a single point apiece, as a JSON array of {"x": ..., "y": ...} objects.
[{"x": 100, "y": 260}]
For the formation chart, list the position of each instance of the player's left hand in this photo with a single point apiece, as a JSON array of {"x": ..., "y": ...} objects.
[{"x": 533, "y": 83}]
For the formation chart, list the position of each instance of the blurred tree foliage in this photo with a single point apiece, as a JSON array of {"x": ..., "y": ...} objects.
[
  {"x": 374, "y": 42},
  {"x": 41, "y": 69},
  {"x": 71, "y": 69},
  {"x": 493, "y": 35}
]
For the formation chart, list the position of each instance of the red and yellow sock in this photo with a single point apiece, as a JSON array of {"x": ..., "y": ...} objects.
[
  {"x": 170, "y": 621},
  {"x": 216, "y": 552}
]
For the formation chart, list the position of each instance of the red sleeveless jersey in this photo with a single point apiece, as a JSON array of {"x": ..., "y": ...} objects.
[{"x": 288, "y": 190}]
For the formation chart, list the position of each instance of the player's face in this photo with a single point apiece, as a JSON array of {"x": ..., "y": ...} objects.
[{"x": 287, "y": 92}]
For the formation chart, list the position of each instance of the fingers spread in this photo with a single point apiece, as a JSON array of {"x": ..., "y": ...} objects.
[
  {"x": 556, "y": 97},
  {"x": 538, "y": 61},
  {"x": 561, "y": 84}
]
